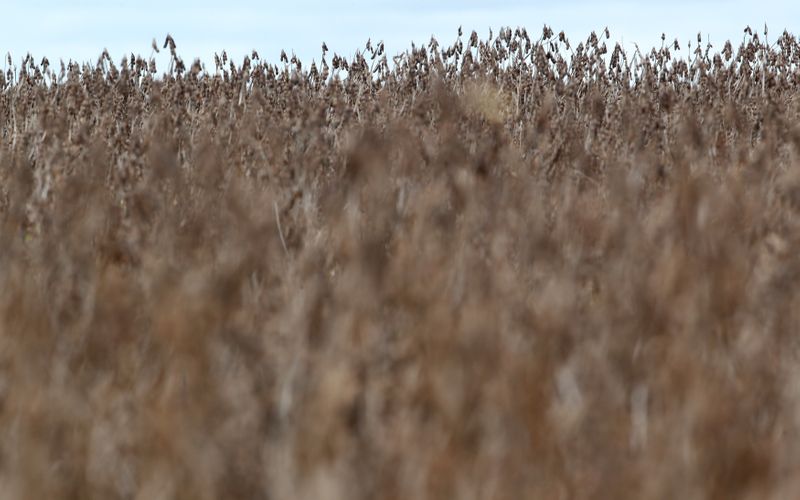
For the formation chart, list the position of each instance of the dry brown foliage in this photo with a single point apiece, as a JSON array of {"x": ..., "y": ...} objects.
[{"x": 500, "y": 269}]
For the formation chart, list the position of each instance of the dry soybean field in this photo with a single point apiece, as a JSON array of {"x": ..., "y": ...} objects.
[{"x": 503, "y": 266}]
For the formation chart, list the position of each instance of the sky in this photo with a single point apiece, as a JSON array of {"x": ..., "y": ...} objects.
[{"x": 81, "y": 29}]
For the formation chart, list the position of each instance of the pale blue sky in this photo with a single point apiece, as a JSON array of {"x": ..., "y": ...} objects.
[{"x": 80, "y": 29}]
